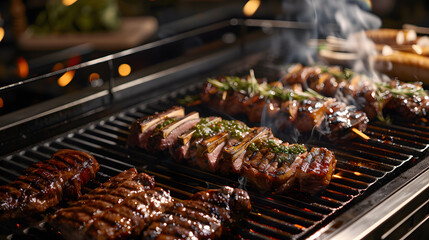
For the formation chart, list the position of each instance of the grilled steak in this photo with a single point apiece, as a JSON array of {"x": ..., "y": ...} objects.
[
  {"x": 316, "y": 171},
  {"x": 271, "y": 170},
  {"x": 286, "y": 107},
  {"x": 205, "y": 216},
  {"x": 45, "y": 184},
  {"x": 375, "y": 98},
  {"x": 229, "y": 146},
  {"x": 342, "y": 117},
  {"x": 72, "y": 221},
  {"x": 142, "y": 129},
  {"x": 131, "y": 216},
  {"x": 166, "y": 134}
]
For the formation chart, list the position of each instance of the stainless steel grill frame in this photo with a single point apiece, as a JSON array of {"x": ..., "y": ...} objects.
[{"x": 386, "y": 173}]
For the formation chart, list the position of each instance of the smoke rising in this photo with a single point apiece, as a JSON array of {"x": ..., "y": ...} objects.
[{"x": 342, "y": 20}]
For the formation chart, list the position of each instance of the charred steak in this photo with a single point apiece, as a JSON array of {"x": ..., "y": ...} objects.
[
  {"x": 376, "y": 98},
  {"x": 205, "y": 216},
  {"x": 231, "y": 147},
  {"x": 130, "y": 217},
  {"x": 45, "y": 184},
  {"x": 287, "y": 107},
  {"x": 73, "y": 221}
]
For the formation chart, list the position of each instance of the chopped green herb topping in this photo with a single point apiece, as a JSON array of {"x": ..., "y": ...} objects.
[
  {"x": 251, "y": 87},
  {"x": 284, "y": 153},
  {"x": 405, "y": 90},
  {"x": 165, "y": 123},
  {"x": 206, "y": 128}
]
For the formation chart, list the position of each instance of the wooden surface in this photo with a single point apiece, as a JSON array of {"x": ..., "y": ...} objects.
[{"x": 133, "y": 31}]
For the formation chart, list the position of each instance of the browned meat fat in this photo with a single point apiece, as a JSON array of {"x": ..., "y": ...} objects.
[
  {"x": 45, "y": 184},
  {"x": 166, "y": 137},
  {"x": 142, "y": 129}
]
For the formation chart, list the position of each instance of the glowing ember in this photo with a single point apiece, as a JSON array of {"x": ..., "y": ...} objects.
[
  {"x": 336, "y": 176},
  {"x": 360, "y": 134},
  {"x": 1, "y": 102},
  {"x": 299, "y": 226}
]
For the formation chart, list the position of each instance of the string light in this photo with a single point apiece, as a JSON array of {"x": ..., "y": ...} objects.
[
  {"x": 23, "y": 68},
  {"x": 251, "y": 6},
  {"x": 68, "y": 2},
  {"x": 66, "y": 78},
  {"x": 124, "y": 70}
]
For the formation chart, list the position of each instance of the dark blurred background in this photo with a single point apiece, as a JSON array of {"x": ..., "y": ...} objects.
[{"x": 24, "y": 21}]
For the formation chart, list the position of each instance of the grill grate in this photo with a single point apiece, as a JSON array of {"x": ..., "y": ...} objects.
[{"x": 361, "y": 164}]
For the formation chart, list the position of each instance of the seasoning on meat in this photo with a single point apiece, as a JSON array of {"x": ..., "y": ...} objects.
[
  {"x": 289, "y": 108},
  {"x": 229, "y": 146},
  {"x": 377, "y": 99}
]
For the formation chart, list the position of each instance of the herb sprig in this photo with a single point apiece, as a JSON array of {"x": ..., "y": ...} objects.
[
  {"x": 407, "y": 90},
  {"x": 251, "y": 87}
]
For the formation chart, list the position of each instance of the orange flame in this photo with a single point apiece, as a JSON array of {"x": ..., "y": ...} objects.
[{"x": 360, "y": 134}]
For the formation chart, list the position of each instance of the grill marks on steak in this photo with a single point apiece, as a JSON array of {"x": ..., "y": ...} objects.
[
  {"x": 267, "y": 162},
  {"x": 131, "y": 216},
  {"x": 317, "y": 167},
  {"x": 372, "y": 99},
  {"x": 128, "y": 203},
  {"x": 205, "y": 216},
  {"x": 72, "y": 221},
  {"x": 263, "y": 170},
  {"x": 45, "y": 184}
]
